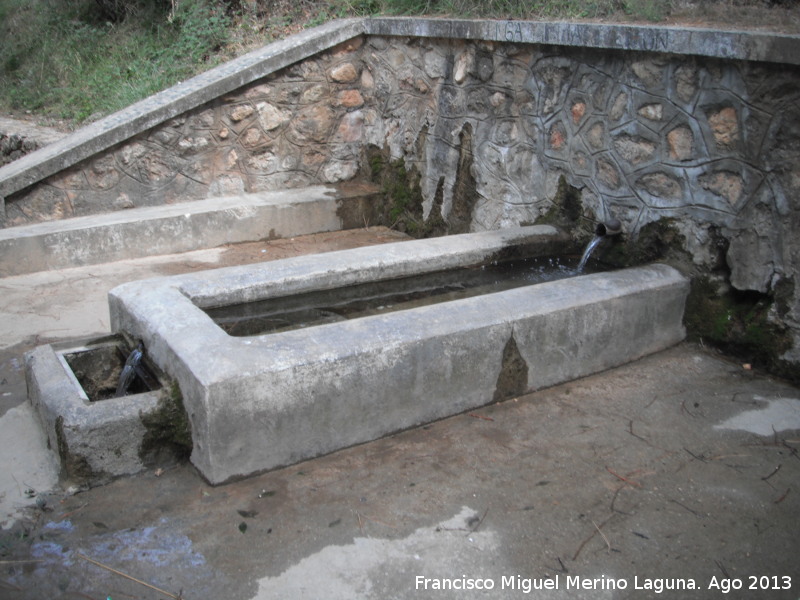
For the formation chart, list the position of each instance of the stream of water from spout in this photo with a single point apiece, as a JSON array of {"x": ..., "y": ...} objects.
[{"x": 588, "y": 252}]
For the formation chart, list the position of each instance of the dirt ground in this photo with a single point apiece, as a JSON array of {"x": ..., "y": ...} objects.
[{"x": 678, "y": 470}]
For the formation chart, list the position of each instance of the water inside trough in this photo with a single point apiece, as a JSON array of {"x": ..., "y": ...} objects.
[{"x": 274, "y": 315}]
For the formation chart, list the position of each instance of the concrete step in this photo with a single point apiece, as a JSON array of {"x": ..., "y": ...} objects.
[{"x": 185, "y": 226}]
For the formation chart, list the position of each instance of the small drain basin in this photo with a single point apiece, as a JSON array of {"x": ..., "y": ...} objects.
[{"x": 97, "y": 436}]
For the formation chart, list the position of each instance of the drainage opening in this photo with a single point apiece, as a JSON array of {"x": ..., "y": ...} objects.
[{"x": 98, "y": 369}]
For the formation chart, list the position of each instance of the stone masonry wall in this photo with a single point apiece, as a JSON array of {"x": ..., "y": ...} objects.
[
  {"x": 711, "y": 145},
  {"x": 302, "y": 126}
]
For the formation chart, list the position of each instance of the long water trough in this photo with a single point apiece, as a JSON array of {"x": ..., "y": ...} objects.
[{"x": 257, "y": 402}]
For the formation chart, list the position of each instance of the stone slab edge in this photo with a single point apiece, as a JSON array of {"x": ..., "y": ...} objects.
[{"x": 716, "y": 43}]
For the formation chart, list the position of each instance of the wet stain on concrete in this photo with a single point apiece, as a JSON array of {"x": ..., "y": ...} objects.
[
  {"x": 513, "y": 378},
  {"x": 779, "y": 414}
]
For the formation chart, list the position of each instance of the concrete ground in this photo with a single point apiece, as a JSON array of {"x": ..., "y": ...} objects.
[{"x": 679, "y": 470}]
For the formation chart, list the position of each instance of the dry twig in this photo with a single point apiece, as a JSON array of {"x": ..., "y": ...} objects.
[
  {"x": 778, "y": 468},
  {"x": 781, "y": 499},
  {"x": 588, "y": 539},
  {"x": 72, "y": 512},
  {"x": 561, "y": 569},
  {"x": 478, "y": 524},
  {"x": 603, "y": 535},
  {"x": 701, "y": 458},
  {"x": 614, "y": 499},
  {"x": 126, "y": 576},
  {"x": 625, "y": 479},
  {"x": 474, "y": 416},
  {"x": 682, "y": 505},
  {"x": 368, "y": 518},
  {"x": 636, "y": 435},
  {"x": 722, "y": 568}
]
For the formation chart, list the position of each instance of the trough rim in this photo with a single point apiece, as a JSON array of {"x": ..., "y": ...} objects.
[{"x": 166, "y": 311}]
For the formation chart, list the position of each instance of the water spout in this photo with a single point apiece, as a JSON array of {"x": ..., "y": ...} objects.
[
  {"x": 610, "y": 227},
  {"x": 130, "y": 370},
  {"x": 588, "y": 251}
]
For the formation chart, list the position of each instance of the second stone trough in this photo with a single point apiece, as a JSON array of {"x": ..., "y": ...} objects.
[{"x": 264, "y": 401}]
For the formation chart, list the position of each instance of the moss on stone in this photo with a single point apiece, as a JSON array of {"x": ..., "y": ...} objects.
[
  {"x": 402, "y": 196},
  {"x": 402, "y": 193},
  {"x": 738, "y": 323},
  {"x": 512, "y": 380},
  {"x": 74, "y": 466},
  {"x": 657, "y": 241},
  {"x": 465, "y": 188},
  {"x": 434, "y": 225},
  {"x": 565, "y": 209},
  {"x": 168, "y": 428}
]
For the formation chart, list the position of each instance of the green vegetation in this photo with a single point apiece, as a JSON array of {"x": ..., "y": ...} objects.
[
  {"x": 168, "y": 428},
  {"x": 64, "y": 59},
  {"x": 566, "y": 211},
  {"x": 81, "y": 59},
  {"x": 400, "y": 188},
  {"x": 738, "y": 323}
]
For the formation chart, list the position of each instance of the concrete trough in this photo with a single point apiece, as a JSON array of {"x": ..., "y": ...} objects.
[
  {"x": 96, "y": 436},
  {"x": 261, "y": 402}
]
